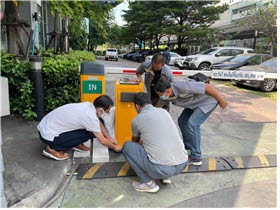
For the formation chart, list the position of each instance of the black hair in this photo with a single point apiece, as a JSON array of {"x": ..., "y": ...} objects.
[
  {"x": 103, "y": 101},
  {"x": 162, "y": 85},
  {"x": 166, "y": 48},
  {"x": 141, "y": 99},
  {"x": 158, "y": 58}
]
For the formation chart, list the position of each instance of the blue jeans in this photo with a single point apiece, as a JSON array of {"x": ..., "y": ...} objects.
[
  {"x": 189, "y": 123},
  {"x": 136, "y": 156}
]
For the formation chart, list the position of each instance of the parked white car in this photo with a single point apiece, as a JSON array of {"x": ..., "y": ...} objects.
[
  {"x": 213, "y": 55},
  {"x": 173, "y": 56},
  {"x": 179, "y": 62},
  {"x": 111, "y": 53}
]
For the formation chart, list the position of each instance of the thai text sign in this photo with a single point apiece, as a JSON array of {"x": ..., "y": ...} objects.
[{"x": 237, "y": 75}]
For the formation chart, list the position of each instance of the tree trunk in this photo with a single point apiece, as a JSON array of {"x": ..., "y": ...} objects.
[
  {"x": 65, "y": 35},
  {"x": 11, "y": 16},
  {"x": 56, "y": 30}
]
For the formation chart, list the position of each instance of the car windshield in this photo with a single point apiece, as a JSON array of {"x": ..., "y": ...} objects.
[
  {"x": 111, "y": 50},
  {"x": 209, "y": 52},
  {"x": 271, "y": 62},
  {"x": 239, "y": 59}
]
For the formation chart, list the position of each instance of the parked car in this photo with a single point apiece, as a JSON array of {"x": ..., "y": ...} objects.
[
  {"x": 266, "y": 85},
  {"x": 111, "y": 53},
  {"x": 128, "y": 54},
  {"x": 179, "y": 62},
  {"x": 142, "y": 57},
  {"x": 241, "y": 60},
  {"x": 214, "y": 55},
  {"x": 173, "y": 56},
  {"x": 137, "y": 53}
]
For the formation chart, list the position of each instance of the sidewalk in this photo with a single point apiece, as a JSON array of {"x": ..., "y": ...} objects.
[{"x": 30, "y": 179}]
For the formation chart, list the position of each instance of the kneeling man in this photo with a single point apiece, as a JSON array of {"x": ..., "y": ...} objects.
[
  {"x": 70, "y": 125},
  {"x": 156, "y": 150}
]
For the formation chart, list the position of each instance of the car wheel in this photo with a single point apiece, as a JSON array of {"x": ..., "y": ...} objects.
[
  {"x": 268, "y": 85},
  {"x": 204, "y": 67},
  {"x": 106, "y": 59},
  {"x": 117, "y": 59}
]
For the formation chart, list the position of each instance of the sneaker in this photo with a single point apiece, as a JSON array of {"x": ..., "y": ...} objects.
[
  {"x": 143, "y": 187},
  {"x": 48, "y": 152},
  {"x": 81, "y": 148},
  {"x": 196, "y": 162},
  {"x": 166, "y": 181}
]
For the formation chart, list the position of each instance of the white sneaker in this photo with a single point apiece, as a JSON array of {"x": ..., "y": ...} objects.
[
  {"x": 166, "y": 181},
  {"x": 142, "y": 187}
]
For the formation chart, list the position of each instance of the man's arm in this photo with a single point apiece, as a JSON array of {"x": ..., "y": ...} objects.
[
  {"x": 135, "y": 139},
  {"x": 139, "y": 71},
  {"x": 106, "y": 142},
  {"x": 213, "y": 92},
  {"x": 106, "y": 135}
]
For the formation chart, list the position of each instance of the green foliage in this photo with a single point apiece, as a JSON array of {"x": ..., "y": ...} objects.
[
  {"x": 61, "y": 79},
  {"x": 266, "y": 14},
  {"x": 20, "y": 87}
]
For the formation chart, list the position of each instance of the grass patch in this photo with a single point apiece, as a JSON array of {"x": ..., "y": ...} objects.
[{"x": 269, "y": 95}]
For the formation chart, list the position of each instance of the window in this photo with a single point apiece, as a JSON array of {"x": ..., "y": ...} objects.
[
  {"x": 174, "y": 55},
  {"x": 250, "y": 51},
  {"x": 225, "y": 52},
  {"x": 210, "y": 51},
  {"x": 237, "y": 52},
  {"x": 111, "y": 50},
  {"x": 266, "y": 57},
  {"x": 255, "y": 60}
]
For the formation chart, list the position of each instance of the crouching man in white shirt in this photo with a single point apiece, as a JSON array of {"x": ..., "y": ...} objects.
[{"x": 70, "y": 125}]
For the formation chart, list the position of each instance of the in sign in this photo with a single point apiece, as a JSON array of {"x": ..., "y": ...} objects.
[{"x": 94, "y": 87}]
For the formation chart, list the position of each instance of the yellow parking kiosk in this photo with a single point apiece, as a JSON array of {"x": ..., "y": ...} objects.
[
  {"x": 125, "y": 109},
  {"x": 92, "y": 79}
]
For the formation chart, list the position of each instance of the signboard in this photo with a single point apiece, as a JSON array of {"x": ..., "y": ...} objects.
[
  {"x": 237, "y": 75},
  {"x": 92, "y": 87}
]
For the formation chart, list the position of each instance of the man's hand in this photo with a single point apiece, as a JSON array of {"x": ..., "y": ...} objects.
[
  {"x": 114, "y": 141},
  {"x": 223, "y": 103},
  {"x": 117, "y": 148}
]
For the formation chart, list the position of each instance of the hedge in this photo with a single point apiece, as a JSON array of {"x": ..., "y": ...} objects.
[{"x": 61, "y": 80}]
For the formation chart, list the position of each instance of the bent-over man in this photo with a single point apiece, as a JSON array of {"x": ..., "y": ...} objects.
[
  {"x": 199, "y": 100},
  {"x": 70, "y": 125},
  {"x": 154, "y": 70},
  {"x": 162, "y": 154}
]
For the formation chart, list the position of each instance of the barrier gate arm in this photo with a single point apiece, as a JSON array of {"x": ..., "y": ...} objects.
[{"x": 119, "y": 70}]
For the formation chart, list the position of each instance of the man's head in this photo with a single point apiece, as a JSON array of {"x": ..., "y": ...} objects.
[
  {"x": 166, "y": 48},
  {"x": 140, "y": 100},
  {"x": 163, "y": 88},
  {"x": 158, "y": 61},
  {"x": 103, "y": 104}
]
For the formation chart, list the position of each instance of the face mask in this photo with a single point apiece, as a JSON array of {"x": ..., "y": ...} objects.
[
  {"x": 163, "y": 97},
  {"x": 99, "y": 112}
]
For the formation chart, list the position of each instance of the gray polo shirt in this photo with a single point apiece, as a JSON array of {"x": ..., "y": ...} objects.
[
  {"x": 197, "y": 98},
  {"x": 160, "y": 136},
  {"x": 166, "y": 71}
]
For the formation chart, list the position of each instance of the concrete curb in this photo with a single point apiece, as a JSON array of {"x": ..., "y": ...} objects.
[{"x": 41, "y": 197}]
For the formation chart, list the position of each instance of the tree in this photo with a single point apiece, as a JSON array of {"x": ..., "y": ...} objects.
[
  {"x": 14, "y": 25},
  {"x": 189, "y": 19},
  {"x": 263, "y": 20}
]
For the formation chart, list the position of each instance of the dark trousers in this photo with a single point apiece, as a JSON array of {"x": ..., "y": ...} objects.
[{"x": 68, "y": 140}]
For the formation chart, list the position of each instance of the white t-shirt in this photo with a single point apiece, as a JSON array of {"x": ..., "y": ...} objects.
[{"x": 69, "y": 117}]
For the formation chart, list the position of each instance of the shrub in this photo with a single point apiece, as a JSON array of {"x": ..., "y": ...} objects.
[{"x": 61, "y": 80}]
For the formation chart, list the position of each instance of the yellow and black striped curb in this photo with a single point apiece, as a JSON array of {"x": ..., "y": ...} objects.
[{"x": 121, "y": 169}]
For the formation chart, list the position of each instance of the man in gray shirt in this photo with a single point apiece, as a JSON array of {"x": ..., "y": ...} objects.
[
  {"x": 199, "y": 100},
  {"x": 154, "y": 70},
  {"x": 157, "y": 150}
]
